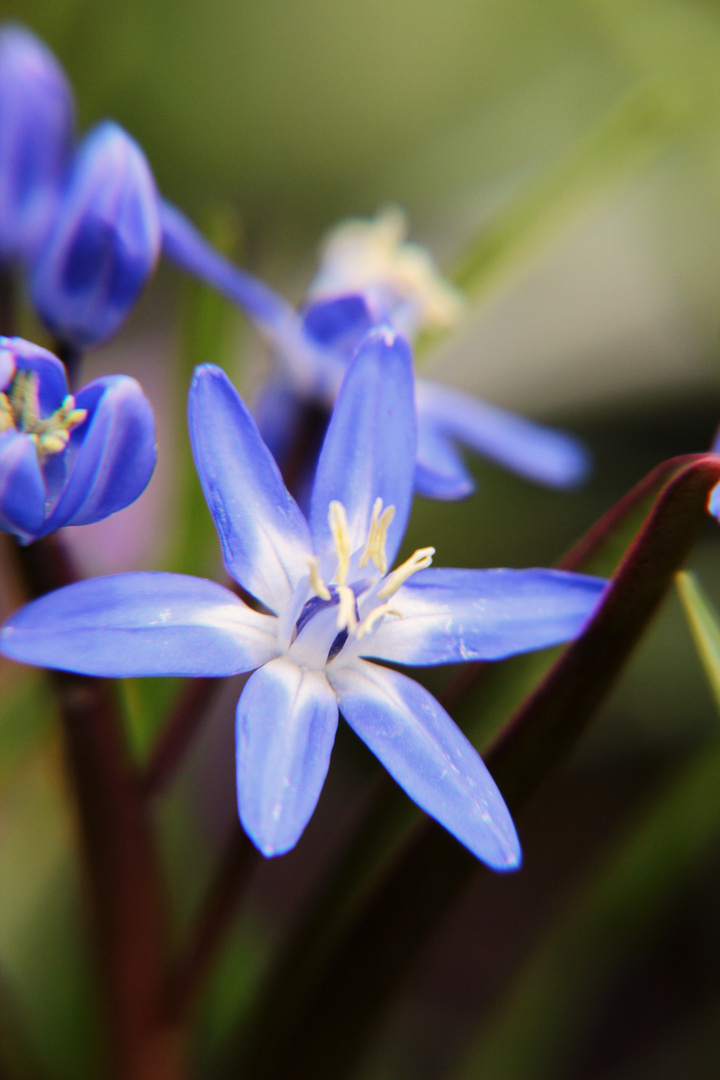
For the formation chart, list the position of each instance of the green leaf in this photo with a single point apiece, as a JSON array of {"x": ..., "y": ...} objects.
[{"x": 704, "y": 625}]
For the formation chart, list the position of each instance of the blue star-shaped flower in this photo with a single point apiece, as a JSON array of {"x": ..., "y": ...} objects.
[
  {"x": 370, "y": 276},
  {"x": 331, "y": 606}
]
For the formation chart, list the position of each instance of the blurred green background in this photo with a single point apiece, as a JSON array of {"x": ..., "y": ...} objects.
[{"x": 565, "y": 158}]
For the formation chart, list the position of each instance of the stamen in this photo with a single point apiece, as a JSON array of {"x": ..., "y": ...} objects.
[
  {"x": 317, "y": 584},
  {"x": 24, "y": 400},
  {"x": 338, "y": 522},
  {"x": 370, "y": 621},
  {"x": 53, "y": 434},
  {"x": 377, "y": 535},
  {"x": 20, "y": 409},
  {"x": 419, "y": 560},
  {"x": 346, "y": 619}
]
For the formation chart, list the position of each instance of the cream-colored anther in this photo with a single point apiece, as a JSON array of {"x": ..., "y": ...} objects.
[
  {"x": 419, "y": 560},
  {"x": 373, "y": 618},
  {"x": 20, "y": 409},
  {"x": 377, "y": 535},
  {"x": 346, "y": 619},
  {"x": 53, "y": 434},
  {"x": 338, "y": 522},
  {"x": 317, "y": 584}
]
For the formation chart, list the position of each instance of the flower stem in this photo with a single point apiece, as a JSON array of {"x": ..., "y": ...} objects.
[
  {"x": 121, "y": 866},
  {"x": 214, "y": 920}
]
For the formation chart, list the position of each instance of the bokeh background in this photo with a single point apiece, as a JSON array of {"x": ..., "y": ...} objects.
[{"x": 563, "y": 160}]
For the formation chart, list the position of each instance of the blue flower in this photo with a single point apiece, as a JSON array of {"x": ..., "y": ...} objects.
[
  {"x": 36, "y": 134},
  {"x": 370, "y": 276},
  {"x": 64, "y": 459},
  {"x": 104, "y": 242},
  {"x": 330, "y": 606}
]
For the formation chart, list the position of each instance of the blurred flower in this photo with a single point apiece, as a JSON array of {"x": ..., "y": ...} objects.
[
  {"x": 398, "y": 280},
  {"x": 36, "y": 133},
  {"x": 104, "y": 242},
  {"x": 379, "y": 278},
  {"x": 64, "y": 459},
  {"x": 329, "y": 603}
]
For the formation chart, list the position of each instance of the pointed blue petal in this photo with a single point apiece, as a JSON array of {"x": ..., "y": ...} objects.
[
  {"x": 286, "y": 722},
  {"x": 538, "y": 452},
  {"x": 111, "y": 455},
  {"x": 454, "y": 615},
  {"x": 369, "y": 449},
  {"x": 104, "y": 242},
  {"x": 141, "y": 624},
  {"x": 22, "y": 491},
  {"x": 420, "y": 746},
  {"x": 264, "y": 536},
  {"x": 36, "y": 132},
  {"x": 440, "y": 472},
  {"x": 52, "y": 380},
  {"x": 188, "y": 248}
]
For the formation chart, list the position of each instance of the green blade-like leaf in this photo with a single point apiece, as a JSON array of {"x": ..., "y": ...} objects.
[{"x": 705, "y": 627}]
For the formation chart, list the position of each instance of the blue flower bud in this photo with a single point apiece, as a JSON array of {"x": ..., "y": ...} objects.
[
  {"x": 64, "y": 459},
  {"x": 36, "y": 134},
  {"x": 104, "y": 242}
]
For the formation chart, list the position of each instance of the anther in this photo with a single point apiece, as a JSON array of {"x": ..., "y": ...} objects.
[
  {"x": 370, "y": 621},
  {"x": 317, "y": 584},
  {"x": 346, "y": 619},
  {"x": 377, "y": 535},
  {"x": 419, "y": 560},
  {"x": 338, "y": 522}
]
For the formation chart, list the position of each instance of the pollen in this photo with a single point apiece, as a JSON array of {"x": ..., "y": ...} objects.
[
  {"x": 377, "y": 536},
  {"x": 419, "y": 560},
  {"x": 20, "y": 410},
  {"x": 338, "y": 522},
  {"x": 317, "y": 584}
]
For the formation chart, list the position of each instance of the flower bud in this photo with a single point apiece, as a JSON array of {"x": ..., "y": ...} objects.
[
  {"x": 36, "y": 133},
  {"x": 64, "y": 459},
  {"x": 103, "y": 244}
]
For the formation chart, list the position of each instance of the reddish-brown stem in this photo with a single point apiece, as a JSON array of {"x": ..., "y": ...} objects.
[
  {"x": 177, "y": 735},
  {"x": 121, "y": 867},
  {"x": 215, "y": 918}
]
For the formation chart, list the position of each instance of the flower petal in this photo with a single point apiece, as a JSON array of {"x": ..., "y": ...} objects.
[
  {"x": 369, "y": 449},
  {"x": 420, "y": 746},
  {"x": 338, "y": 323},
  {"x": 141, "y": 624},
  {"x": 453, "y": 615},
  {"x": 111, "y": 455},
  {"x": 286, "y": 723},
  {"x": 530, "y": 449},
  {"x": 22, "y": 491},
  {"x": 52, "y": 381},
  {"x": 264, "y": 536},
  {"x": 440, "y": 472}
]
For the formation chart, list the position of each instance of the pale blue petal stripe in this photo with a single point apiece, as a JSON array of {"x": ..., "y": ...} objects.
[
  {"x": 420, "y": 746},
  {"x": 369, "y": 449},
  {"x": 286, "y": 722},
  {"x": 264, "y": 536},
  {"x": 454, "y": 615},
  {"x": 141, "y": 624}
]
